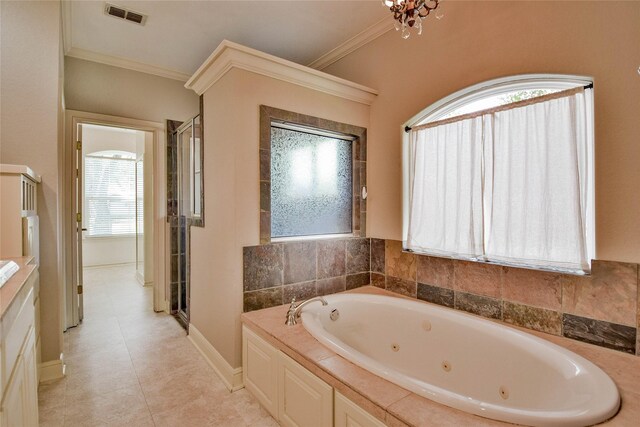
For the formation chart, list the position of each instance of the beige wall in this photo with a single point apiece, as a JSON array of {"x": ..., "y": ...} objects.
[
  {"x": 479, "y": 41},
  {"x": 232, "y": 194},
  {"x": 99, "y": 88},
  {"x": 29, "y": 132}
]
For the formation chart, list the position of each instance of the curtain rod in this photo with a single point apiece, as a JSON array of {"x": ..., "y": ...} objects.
[{"x": 589, "y": 86}]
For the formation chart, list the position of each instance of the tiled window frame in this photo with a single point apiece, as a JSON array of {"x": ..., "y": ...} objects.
[{"x": 359, "y": 162}]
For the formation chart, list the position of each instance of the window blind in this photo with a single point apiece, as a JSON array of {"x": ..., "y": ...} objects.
[
  {"x": 140, "y": 196},
  {"x": 110, "y": 196}
]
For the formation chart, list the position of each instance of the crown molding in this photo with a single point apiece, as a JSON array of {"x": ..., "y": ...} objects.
[
  {"x": 65, "y": 16},
  {"x": 354, "y": 43},
  {"x": 229, "y": 55},
  {"x": 129, "y": 64}
]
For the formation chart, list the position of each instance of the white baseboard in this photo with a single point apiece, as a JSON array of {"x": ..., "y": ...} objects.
[
  {"x": 51, "y": 370},
  {"x": 231, "y": 377}
]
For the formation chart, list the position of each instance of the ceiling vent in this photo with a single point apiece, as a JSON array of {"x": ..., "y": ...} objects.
[{"x": 126, "y": 14}]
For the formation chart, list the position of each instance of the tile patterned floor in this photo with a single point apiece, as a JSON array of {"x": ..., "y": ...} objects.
[{"x": 127, "y": 365}]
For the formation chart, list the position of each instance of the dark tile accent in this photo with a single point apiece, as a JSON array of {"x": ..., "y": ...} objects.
[
  {"x": 174, "y": 268},
  {"x": 435, "y": 271},
  {"x": 436, "y": 295},
  {"x": 610, "y": 293},
  {"x": 265, "y": 227},
  {"x": 358, "y": 255},
  {"x": 331, "y": 258},
  {"x": 599, "y": 332},
  {"x": 264, "y": 298},
  {"x": 478, "y": 278},
  {"x": 401, "y": 286},
  {"x": 265, "y": 196},
  {"x": 533, "y": 287},
  {"x": 480, "y": 305},
  {"x": 377, "y": 255},
  {"x": 355, "y": 168},
  {"x": 301, "y": 291},
  {"x": 330, "y": 286},
  {"x": 174, "y": 296},
  {"x": 538, "y": 319},
  {"x": 356, "y": 218},
  {"x": 357, "y": 280},
  {"x": 363, "y": 174},
  {"x": 363, "y": 147},
  {"x": 265, "y": 165},
  {"x": 172, "y": 204},
  {"x": 299, "y": 262},
  {"x": 378, "y": 280},
  {"x": 265, "y": 128},
  {"x": 262, "y": 266},
  {"x": 174, "y": 240},
  {"x": 398, "y": 262}
]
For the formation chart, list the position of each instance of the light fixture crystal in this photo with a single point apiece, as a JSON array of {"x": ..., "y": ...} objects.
[{"x": 410, "y": 13}]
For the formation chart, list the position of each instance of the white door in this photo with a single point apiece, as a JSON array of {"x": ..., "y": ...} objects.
[{"x": 77, "y": 299}]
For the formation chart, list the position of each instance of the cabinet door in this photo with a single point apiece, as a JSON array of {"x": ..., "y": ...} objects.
[
  {"x": 13, "y": 402},
  {"x": 260, "y": 370},
  {"x": 348, "y": 414},
  {"x": 30, "y": 370},
  {"x": 304, "y": 400}
]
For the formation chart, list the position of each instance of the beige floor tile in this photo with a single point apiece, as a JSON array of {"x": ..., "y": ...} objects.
[
  {"x": 52, "y": 394},
  {"x": 106, "y": 407},
  {"x": 51, "y": 417},
  {"x": 128, "y": 366},
  {"x": 101, "y": 381}
]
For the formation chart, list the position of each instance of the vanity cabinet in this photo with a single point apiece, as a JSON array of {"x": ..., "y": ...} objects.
[
  {"x": 304, "y": 400},
  {"x": 18, "y": 354},
  {"x": 291, "y": 393},
  {"x": 348, "y": 414},
  {"x": 260, "y": 370}
]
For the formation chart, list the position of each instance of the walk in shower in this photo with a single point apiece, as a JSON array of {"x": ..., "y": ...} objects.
[{"x": 185, "y": 206}]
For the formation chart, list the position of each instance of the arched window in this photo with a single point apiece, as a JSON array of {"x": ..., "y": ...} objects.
[{"x": 503, "y": 172}]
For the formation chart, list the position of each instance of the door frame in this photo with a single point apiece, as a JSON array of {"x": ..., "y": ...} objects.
[{"x": 160, "y": 229}]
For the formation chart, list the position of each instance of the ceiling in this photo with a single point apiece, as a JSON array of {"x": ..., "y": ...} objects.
[{"x": 179, "y": 35}]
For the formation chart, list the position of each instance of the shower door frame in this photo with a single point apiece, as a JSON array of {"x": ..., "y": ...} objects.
[{"x": 184, "y": 315}]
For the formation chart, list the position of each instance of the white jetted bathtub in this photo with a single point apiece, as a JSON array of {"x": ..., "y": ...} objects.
[{"x": 463, "y": 361}]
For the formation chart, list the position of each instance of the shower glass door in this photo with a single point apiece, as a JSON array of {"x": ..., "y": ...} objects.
[{"x": 185, "y": 182}]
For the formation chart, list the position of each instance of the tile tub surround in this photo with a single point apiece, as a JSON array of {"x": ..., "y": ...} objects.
[
  {"x": 275, "y": 273},
  {"x": 600, "y": 309},
  {"x": 396, "y": 406}
]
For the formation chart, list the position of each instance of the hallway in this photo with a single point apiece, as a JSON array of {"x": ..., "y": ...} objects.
[{"x": 126, "y": 365}]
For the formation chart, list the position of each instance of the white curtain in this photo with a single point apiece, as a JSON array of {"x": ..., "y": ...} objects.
[
  {"x": 512, "y": 186},
  {"x": 540, "y": 191},
  {"x": 446, "y": 190}
]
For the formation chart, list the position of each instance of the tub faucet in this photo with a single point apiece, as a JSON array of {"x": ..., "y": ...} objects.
[{"x": 294, "y": 309}]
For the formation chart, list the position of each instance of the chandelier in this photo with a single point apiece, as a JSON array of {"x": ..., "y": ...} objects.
[{"x": 410, "y": 13}]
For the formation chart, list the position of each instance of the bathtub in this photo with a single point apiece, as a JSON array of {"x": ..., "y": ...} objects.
[{"x": 463, "y": 361}]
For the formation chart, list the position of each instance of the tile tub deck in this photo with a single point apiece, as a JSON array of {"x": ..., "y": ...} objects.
[{"x": 397, "y": 406}]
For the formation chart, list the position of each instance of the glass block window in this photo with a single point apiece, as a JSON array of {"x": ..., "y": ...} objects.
[{"x": 311, "y": 182}]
